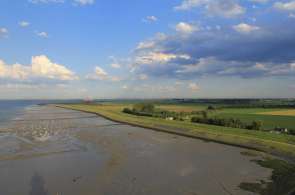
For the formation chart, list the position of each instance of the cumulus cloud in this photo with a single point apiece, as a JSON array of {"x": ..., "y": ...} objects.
[
  {"x": 75, "y": 2},
  {"x": 245, "y": 28},
  {"x": 224, "y": 8},
  {"x": 143, "y": 77},
  {"x": 43, "y": 67},
  {"x": 264, "y": 53},
  {"x": 40, "y": 67},
  {"x": 185, "y": 28},
  {"x": 3, "y": 32},
  {"x": 285, "y": 6},
  {"x": 259, "y": 1},
  {"x": 46, "y": 1},
  {"x": 42, "y": 34},
  {"x": 84, "y": 2},
  {"x": 101, "y": 74},
  {"x": 151, "y": 42},
  {"x": 23, "y": 24},
  {"x": 15, "y": 71},
  {"x": 116, "y": 65},
  {"x": 194, "y": 87},
  {"x": 150, "y": 19}
]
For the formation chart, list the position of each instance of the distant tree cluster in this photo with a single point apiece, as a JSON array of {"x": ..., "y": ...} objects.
[
  {"x": 148, "y": 109},
  {"x": 141, "y": 109},
  {"x": 235, "y": 123},
  {"x": 292, "y": 131}
]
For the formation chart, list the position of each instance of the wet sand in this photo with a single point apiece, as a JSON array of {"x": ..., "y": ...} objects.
[{"x": 49, "y": 151}]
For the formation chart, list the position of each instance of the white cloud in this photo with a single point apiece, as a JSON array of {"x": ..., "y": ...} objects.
[
  {"x": 194, "y": 87},
  {"x": 23, "y": 23},
  {"x": 189, "y": 4},
  {"x": 3, "y": 32},
  {"x": 46, "y": 1},
  {"x": 150, "y": 19},
  {"x": 116, "y": 65},
  {"x": 143, "y": 77},
  {"x": 260, "y": 66},
  {"x": 124, "y": 87},
  {"x": 259, "y": 1},
  {"x": 185, "y": 28},
  {"x": 41, "y": 67},
  {"x": 75, "y": 2},
  {"x": 158, "y": 58},
  {"x": 42, "y": 34},
  {"x": 288, "y": 6},
  {"x": 245, "y": 28},
  {"x": 291, "y": 15},
  {"x": 145, "y": 45},
  {"x": 15, "y": 71},
  {"x": 224, "y": 8},
  {"x": 84, "y": 2},
  {"x": 101, "y": 74}
]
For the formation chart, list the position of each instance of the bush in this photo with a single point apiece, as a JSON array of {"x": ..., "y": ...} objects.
[
  {"x": 210, "y": 108},
  {"x": 144, "y": 107},
  {"x": 292, "y": 131},
  {"x": 127, "y": 110},
  {"x": 235, "y": 123}
]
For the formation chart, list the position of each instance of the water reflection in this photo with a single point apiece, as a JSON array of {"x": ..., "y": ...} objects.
[{"x": 38, "y": 185}]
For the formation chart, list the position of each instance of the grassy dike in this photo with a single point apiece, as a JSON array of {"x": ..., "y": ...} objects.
[
  {"x": 282, "y": 181},
  {"x": 278, "y": 144}
]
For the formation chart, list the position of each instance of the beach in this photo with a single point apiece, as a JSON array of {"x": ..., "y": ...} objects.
[{"x": 50, "y": 150}]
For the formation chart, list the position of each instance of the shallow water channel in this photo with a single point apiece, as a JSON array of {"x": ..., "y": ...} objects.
[{"x": 53, "y": 151}]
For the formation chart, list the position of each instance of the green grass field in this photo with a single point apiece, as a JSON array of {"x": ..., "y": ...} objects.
[
  {"x": 264, "y": 141},
  {"x": 269, "y": 121}
]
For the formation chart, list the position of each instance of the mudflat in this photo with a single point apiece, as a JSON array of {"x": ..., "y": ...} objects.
[{"x": 49, "y": 151}]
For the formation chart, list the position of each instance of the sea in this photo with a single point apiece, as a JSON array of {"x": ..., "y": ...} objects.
[{"x": 11, "y": 109}]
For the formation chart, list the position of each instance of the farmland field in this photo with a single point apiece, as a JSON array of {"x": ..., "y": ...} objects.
[
  {"x": 181, "y": 108},
  {"x": 280, "y": 113},
  {"x": 270, "y": 118}
]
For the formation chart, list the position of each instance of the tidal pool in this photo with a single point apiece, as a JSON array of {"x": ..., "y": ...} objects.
[{"x": 54, "y": 151}]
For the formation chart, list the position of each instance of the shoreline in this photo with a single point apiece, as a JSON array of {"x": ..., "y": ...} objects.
[{"x": 259, "y": 148}]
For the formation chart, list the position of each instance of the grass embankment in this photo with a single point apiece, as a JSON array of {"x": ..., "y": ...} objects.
[
  {"x": 281, "y": 182},
  {"x": 278, "y": 144}
]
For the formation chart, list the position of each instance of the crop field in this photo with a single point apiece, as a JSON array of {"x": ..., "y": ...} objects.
[
  {"x": 270, "y": 118},
  {"x": 279, "y": 113},
  {"x": 181, "y": 108},
  {"x": 258, "y": 139}
]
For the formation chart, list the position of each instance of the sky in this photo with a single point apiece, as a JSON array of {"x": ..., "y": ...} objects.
[{"x": 61, "y": 49}]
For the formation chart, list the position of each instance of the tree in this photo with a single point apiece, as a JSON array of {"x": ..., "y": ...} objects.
[
  {"x": 144, "y": 107},
  {"x": 210, "y": 108},
  {"x": 256, "y": 125},
  {"x": 204, "y": 114}
]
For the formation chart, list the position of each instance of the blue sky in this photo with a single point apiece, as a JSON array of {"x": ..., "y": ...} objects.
[{"x": 147, "y": 49}]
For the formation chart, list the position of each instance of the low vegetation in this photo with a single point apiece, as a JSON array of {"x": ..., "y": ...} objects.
[
  {"x": 151, "y": 115},
  {"x": 180, "y": 123},
  {"x": 235, "y": 123},
  {"x": 282, "y": 180},
  {"x": 206, "y": 116}
]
